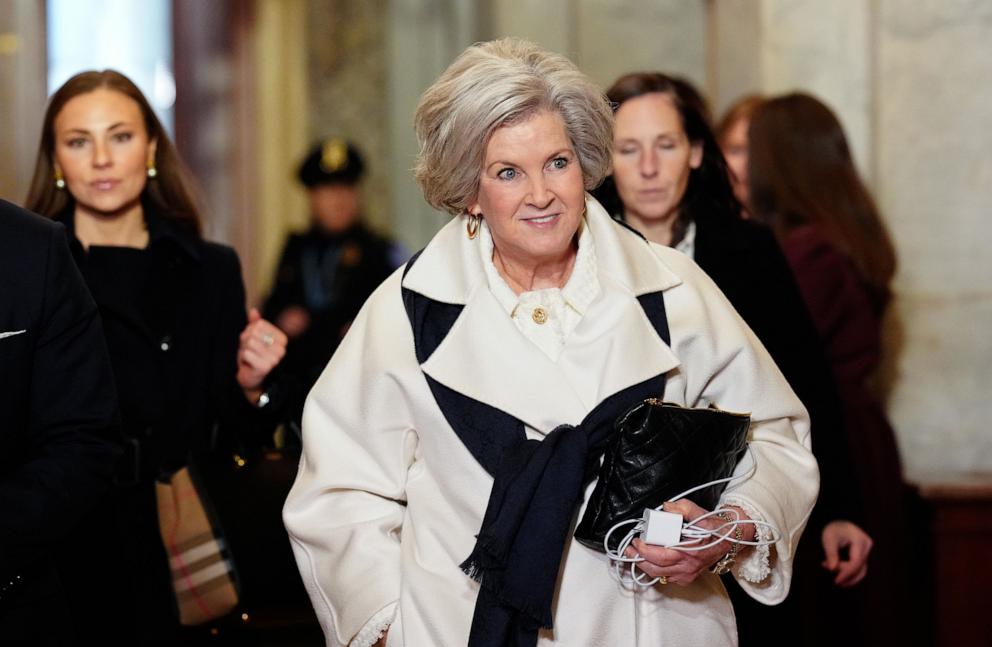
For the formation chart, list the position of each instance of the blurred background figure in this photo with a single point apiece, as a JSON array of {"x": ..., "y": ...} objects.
[
  {"x": 804, "y": 185},
  {"x": 58, "y": 421},
  {"x": 326, "y": 273},
  {"x": 731, "y": 134},
  {"x": 189, "y": 365},
  {"x": 671, "y": 183}
]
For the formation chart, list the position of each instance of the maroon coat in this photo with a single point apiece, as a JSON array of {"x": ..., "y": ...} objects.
[{"x": 848, "y": 320}]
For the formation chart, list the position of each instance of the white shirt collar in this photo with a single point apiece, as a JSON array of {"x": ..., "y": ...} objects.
[
  {"x": 449, "y": 269},
  {"x": 688, "y": 243},
  {"x": 579, "y": 291}
]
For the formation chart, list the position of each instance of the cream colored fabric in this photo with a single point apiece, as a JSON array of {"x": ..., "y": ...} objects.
[
  {"x": 387, "y": 501},
  {"x": 562, "y": 308},
  {"x": 688, "y": 243}
]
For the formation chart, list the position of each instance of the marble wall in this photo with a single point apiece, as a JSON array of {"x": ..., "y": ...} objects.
[
  {"x": 934, "y": 181},
  {"x": 912, "y": 83},
  {"x": 348, "y": 67}
]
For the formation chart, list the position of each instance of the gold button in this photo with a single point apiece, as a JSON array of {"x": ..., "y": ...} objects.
[{"x": 539, "y": 315}]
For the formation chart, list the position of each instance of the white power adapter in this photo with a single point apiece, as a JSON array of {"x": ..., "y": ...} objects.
[{"x": 661, "y": 528}]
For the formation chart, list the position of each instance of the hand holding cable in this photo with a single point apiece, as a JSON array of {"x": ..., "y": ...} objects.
[
  {"x": 695, "y": 555},
  {"x": 701, "y": 540}
]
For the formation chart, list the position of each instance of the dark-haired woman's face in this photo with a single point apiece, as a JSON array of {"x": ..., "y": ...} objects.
[
  {"x": 735, "y": 151},
  {"x": 652, "y": 157},
  {"x": 102, "y": 149}
]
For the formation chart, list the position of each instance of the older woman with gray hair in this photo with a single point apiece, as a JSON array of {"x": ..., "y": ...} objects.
[{"x": 453, "y": 437}]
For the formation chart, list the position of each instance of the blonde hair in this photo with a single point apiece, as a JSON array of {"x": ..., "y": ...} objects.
[{"x": 494, "y": 84}]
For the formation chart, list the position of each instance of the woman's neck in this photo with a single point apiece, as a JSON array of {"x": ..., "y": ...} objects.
[
  {"x": 527, "y": 276},
  {"x": 657, "y": 230},
  {"x": 123, "y": 229}
]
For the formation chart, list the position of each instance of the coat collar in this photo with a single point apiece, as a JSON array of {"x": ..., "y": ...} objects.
[
  {"x": 448, "y": 270},
  {"x": 176, "y": 261},
  {"x": 163, "y": 233},
  {"x": 486, "y": 358}
]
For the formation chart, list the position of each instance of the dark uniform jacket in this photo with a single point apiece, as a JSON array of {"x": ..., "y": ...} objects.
[
  {"x": 329, "y": 276},
  {"x": 58, "y": 419}
]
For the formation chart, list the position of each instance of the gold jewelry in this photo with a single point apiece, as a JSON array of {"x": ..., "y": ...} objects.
[
  {"x": 152, "y": 171},
  {"x": 663, "y": 580},
  {"x": 725, "y": 563},
  {"x": 472, "y": 226},
  {"x": 59, "y": 180},
  {"x": 540, "y": 315}
]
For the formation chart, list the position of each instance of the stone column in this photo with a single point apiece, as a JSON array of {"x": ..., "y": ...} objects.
[{"x": 934, "y": 183}]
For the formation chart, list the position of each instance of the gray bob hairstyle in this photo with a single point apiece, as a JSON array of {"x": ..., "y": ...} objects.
[{"x": 494, "y": 84}]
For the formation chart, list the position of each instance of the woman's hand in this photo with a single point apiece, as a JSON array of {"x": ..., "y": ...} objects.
[
  {"x": 838, "y": 535},
  {"x": 681, "y": 567},
  {"x": 262, "y": 346}
]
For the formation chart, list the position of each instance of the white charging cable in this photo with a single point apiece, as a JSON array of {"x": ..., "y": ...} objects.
[{"x": 669, "y": 530}]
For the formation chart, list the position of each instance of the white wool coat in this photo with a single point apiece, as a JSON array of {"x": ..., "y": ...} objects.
[{"x": 388, "y": 500}]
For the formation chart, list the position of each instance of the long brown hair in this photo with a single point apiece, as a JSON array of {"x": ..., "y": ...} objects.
[
  {"x": 709, "y": 193},
  {"x": 801, "y": 171},
  {"x": 170, "y": 193}
]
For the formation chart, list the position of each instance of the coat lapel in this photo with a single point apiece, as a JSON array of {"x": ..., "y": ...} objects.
[{"x": 485, "y": 357}]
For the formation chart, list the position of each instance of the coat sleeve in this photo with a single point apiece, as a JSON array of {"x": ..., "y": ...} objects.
[
  {"x": 724, "y": 364},
  {"x": 72, "y": 440},
  {"x": 346, "y": 509}
]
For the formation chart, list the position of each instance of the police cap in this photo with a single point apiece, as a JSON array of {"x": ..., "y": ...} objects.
[{"x": 332, "y": 161}]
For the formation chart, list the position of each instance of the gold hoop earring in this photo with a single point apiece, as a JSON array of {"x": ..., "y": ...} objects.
[
  {"x": 59, "y": 180},
  {"x": 472, "y": 226}
]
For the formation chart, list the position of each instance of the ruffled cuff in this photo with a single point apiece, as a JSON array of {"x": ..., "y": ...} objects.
[
  {"x": 375, "y": 627},
  {"x": 755, "y": 567}
]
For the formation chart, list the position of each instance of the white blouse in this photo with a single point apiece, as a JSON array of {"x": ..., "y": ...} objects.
[{"x": 546, "y": 317}]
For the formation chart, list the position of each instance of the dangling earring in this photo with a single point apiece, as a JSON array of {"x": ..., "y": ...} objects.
[
  {"x": 59, "y": 180},
  {"x": 472, "y": 226},
  {"x": 152, "y": 171}
]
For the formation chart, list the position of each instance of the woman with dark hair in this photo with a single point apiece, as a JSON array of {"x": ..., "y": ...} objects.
[
  {"x": 183, "y": 354},
  {"x": 731, "y": 134},
  {"x": 805, "y": 187},
  {"x": 670, "y": 182}
]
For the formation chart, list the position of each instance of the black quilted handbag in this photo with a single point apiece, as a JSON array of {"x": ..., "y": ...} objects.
[{"x": 660, "y": 450}]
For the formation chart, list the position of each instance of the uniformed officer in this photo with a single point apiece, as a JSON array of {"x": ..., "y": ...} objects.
[{"x": 326, "y": 273}]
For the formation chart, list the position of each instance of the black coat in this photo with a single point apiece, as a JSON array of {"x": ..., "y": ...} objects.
[
  {"x": 58, "y": 419},
  {"x": 330, "y": 277},
  {"x": 172, "y": 327},
  {"x": 174, "y": 350},
  {"x": 746, "y": 262}
]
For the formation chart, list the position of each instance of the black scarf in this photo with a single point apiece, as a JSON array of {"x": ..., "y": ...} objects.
[{"x": 537, "y": 485}]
